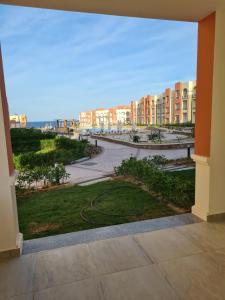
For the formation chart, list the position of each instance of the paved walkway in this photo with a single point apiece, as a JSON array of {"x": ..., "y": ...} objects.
[
  {"x": 183, "y": 263},
  {"x": 113, "y": 154}
]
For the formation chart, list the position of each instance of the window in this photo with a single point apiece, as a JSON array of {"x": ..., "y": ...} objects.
[
  {"x": 185, "y": 105},
  {"x": 185, "y": 93},
  {"x": 177, "y": 106}
]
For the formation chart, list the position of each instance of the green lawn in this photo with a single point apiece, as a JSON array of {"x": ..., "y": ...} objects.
[
  {"x": 185, "y": 174},
  {"x": 58, "y": 211}
]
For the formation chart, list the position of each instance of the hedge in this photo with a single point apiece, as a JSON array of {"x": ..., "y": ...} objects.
[
  {"x": 33, "y": 148},
  {"x": 172, "y": 189},
  {"x": 59, "y": 150},
  {"x": 27, "y": 140}
]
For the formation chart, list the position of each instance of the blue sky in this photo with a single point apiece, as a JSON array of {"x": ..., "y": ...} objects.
[{"x": 60, "y": 63}]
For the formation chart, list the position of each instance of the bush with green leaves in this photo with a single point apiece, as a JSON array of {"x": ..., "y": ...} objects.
[
  {"x": 158, "y": 160},
  {"x": 136, "y": 139},
  {"x": 91, "y": 150},
  {"x": 28, "y": 139},
  {"x": 170, "y": 188},
  {"x": 58, "y": 150},
  {"x": 31, "y": 160},
  {"x": 42, "y": 177}
]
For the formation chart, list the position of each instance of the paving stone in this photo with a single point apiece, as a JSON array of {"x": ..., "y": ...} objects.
[{"x": 146, "y": 283}]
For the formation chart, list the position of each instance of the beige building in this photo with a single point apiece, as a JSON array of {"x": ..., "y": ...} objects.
[
  {"x": 18, "y": 121},
  {"x": 105, "y": 118}
]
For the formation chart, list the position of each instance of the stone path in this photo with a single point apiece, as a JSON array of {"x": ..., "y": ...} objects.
[{"x": 112, "y": 155}]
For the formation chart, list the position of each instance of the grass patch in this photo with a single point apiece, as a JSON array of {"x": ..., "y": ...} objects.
[
  {"x": 184, "y": 175},
  {"x": 58, "y": 211}
]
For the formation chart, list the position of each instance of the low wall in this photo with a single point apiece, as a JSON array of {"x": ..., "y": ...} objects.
[{"x": 145, "y": 146}]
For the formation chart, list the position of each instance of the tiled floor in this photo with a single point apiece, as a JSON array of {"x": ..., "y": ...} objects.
[{"x": 186, "y": 262}]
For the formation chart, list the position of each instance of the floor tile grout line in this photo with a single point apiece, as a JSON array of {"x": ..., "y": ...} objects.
[
  {"x": 124, "y": 269},
  {"x": 143, "y": 250},
  {"x": 164, "y": 275},
  {"x": 93, "y": 276}
]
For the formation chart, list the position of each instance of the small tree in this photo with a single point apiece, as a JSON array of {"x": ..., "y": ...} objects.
[{"x": 136, "y": 138}]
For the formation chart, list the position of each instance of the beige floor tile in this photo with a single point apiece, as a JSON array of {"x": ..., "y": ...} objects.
[
  {"x": 208, "y": 236},
  {"x": 16, "y": 276},
  {"x": 81, "y": 290},
  {"x": 218, "y": 256},
  {"x": 166, "y": 244},
  {"x": 117, "y": 254},
  {"x": 196, "y": 277},
  {"x": 22, "y": 297},
  {"x": 61, "y": 266},
  {"x": 145, "y": 283}
]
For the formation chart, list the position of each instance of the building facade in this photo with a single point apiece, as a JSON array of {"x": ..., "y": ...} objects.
[
  {"x": 172, "y": 106},
  {"x": 18, "y": 121},
  {"x": 106, "y": 118}
]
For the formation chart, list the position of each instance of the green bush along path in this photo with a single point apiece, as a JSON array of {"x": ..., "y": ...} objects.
[
  {"x": 33, "y": 148},
  {"x": 177, "y": 188}
]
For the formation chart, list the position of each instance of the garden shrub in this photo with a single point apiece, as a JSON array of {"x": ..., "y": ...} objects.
[
  {"x": 27, "y": 140},
  {"x": 47, "y": 144},
  {"x": 46, "y": 150},
  {"x": 136, "y": 139},
  {"x": 48, "y": 175},
  {"x": 173, "y": 189},
  {"x": 32, "y": 159}
]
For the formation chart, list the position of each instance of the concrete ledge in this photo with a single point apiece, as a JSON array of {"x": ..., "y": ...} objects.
[
  {"x": 108, "y": 232},
  {"x": 15, "y": 252},
  {"x": 145, "y": 146}
]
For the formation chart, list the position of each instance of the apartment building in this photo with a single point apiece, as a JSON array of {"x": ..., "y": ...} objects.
[
  {"x": 160, "y": 106},
  {"x": 123, "y": 115},
  {"x": 134, "y": 113},
  {"x": 86, "y": 119},
  {"x": 184, "y": 102},
  {"x": 172, "y": 106},
  {"x": 168, "y": 106},
  {"x": 102, "y": 118},
  {"x": 193, "y": 105},
  {"x": 18, "y": 121},
  {"x": 106, "y": 118}
]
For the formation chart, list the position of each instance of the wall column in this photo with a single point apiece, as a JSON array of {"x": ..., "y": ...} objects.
[
  {"x": 10, "y": 238},
  {"x": 210, "y": 119}
]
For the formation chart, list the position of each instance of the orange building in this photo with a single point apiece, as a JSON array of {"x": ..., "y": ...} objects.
[{"x": 171, "y": 106}]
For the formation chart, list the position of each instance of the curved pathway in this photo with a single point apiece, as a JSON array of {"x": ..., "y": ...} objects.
[{"x": 112, "y": 155}]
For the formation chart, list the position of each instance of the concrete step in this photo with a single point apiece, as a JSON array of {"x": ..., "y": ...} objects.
[{"x": 86, "y": 236}]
